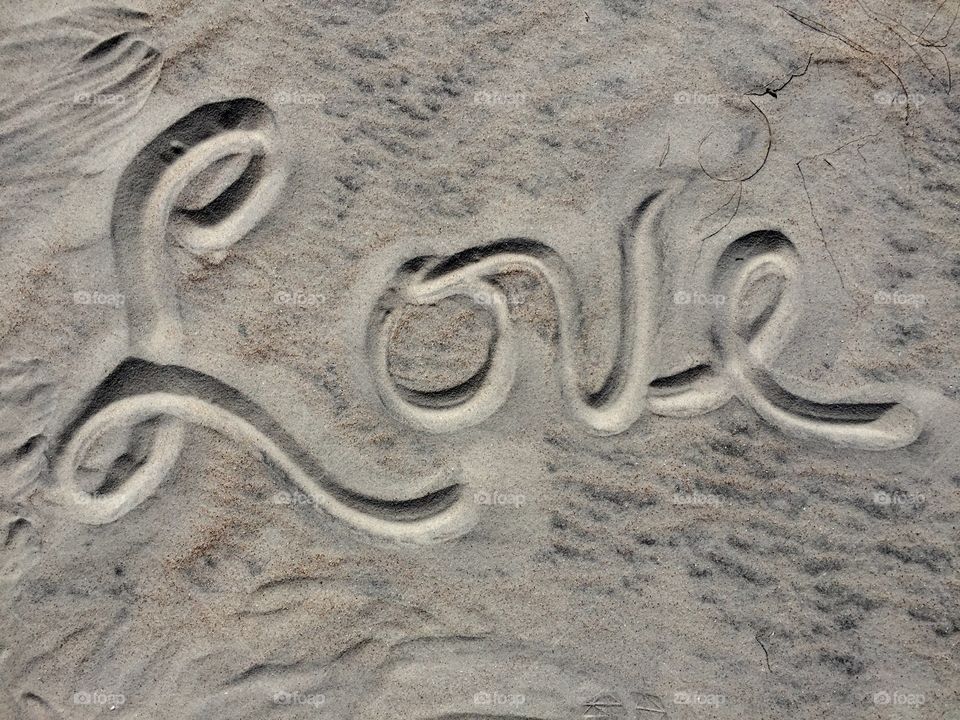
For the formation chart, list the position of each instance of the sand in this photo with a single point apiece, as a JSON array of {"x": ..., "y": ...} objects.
[{"x": 437, "y": 360}]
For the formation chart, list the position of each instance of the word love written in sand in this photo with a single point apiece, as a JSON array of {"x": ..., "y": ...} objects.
[
  {"x": 744, "y": 350},
  {"x": 206, "y": 180}
]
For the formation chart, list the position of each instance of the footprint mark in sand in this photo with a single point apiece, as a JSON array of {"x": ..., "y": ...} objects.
[
  {"x": 203, "y": 184},
  {"x": 72, "y": 86},
  {"x": 744, "y": 351}
]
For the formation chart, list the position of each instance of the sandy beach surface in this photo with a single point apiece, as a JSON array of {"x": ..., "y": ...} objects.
[{"x": 428, "y": 360}]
